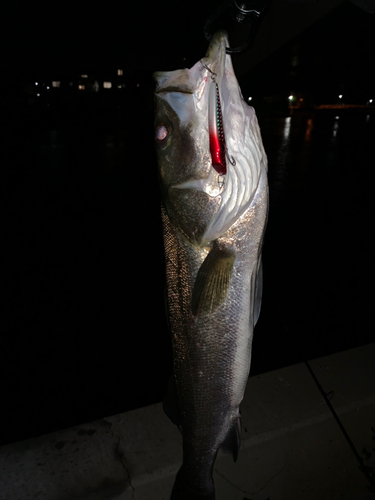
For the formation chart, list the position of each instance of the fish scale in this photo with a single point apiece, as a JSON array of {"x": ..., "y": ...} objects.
[{"x": 213, "y": 236}]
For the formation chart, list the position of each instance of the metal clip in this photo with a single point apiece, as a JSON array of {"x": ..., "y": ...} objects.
[{"x": 213, "y": 74}]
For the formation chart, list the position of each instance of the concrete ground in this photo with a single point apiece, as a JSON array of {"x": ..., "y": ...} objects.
[{"x": 292, "y": 446}]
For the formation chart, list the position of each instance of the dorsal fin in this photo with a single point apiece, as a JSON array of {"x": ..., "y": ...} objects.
[{"x": 213, "y": 279}]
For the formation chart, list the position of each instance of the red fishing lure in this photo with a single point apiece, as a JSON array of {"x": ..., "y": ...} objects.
[{"x": 216, "y": 131}]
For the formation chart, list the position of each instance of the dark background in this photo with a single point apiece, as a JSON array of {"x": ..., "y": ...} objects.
[{"x": 83, "y": 331}]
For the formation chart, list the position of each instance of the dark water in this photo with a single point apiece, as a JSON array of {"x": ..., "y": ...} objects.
[
  {"x": 319, "y": 249},
  {"x": 83, "y": 329}
]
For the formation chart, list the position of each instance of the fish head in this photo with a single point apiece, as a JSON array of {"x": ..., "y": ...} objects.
[{"x": 201, "y": 200}]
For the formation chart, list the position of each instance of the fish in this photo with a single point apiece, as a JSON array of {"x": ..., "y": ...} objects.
[{"x": 212, "y": 168}]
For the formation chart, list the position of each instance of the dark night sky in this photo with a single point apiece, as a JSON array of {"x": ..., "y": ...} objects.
[
  {"x": 63, "y": 35},
  {"x": 68, "y": 37}
]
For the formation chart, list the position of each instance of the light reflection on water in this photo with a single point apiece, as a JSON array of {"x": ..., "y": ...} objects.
[
  {"x": 287, "y": 123},
  {"x": 335, "y": 126},
  {"x": 300, "y": 148},
  {"x": 309, "y": 129}
]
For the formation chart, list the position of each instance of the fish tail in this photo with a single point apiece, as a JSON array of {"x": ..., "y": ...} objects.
[{"x": 184, "y": 491}]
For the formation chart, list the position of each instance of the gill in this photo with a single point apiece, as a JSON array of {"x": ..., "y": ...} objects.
[{"x": 218, "y": 146}]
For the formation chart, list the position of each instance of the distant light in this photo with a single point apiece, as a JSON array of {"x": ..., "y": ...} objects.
[
  {"x": 47, "y": 87},
  {"x": 340, "y": 96},
  {"x": 56, "y": 84},
  {"x": 71, "y": 84},
  {"x": 337, "y": 118},
  {"x": 84, "y": 76},
  {"x": 137, "y": 84},
  {"x": 370, "y": 101},
  {"x": 120, "y": 72},
  {"x": 36, "y": 83},
  {"x": 107, "y": 85},
  {"x": 291, "y": 97},
  {"x": 81, "y": 87},
  {"x": 249, "y": 98},
  {"x": 38, "y": 95}
]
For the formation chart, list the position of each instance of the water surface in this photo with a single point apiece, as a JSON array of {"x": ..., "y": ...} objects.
[{"x": 84, "y": 331}]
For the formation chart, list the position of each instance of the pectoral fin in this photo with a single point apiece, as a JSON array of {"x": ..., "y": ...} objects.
[{"x": 213, "y": 279}]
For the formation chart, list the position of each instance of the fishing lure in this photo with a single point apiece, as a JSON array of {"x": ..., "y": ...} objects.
[
  {"x": 218, "y": 148},
  {"x": 216, "y": 131}
]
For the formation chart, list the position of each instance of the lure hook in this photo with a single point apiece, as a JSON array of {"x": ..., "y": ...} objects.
[
  {"x": 231, "y": 160},
  {"x": 213, "y": 74}
]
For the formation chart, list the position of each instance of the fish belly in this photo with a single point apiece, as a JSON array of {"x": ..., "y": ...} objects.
[{"x": 211, "y": 352}]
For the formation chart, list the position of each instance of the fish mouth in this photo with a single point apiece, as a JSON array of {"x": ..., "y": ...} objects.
[
  {"x": 216, "y": 54},
  {"x": 184, "y": 81}
]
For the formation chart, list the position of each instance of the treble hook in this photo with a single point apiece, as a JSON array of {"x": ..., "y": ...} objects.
[{"x": 232, "y": 161}]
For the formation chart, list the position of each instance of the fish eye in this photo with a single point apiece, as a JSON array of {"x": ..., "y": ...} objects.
[{"x": 161, "y": 132}]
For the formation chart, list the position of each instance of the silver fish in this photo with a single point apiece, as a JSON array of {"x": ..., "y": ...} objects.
[{"x": 214, "y": 212}]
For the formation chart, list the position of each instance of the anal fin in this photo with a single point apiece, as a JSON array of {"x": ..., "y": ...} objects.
[
  {"x": 232, "y": 441},
  {"x": 258, "y": 292}
]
